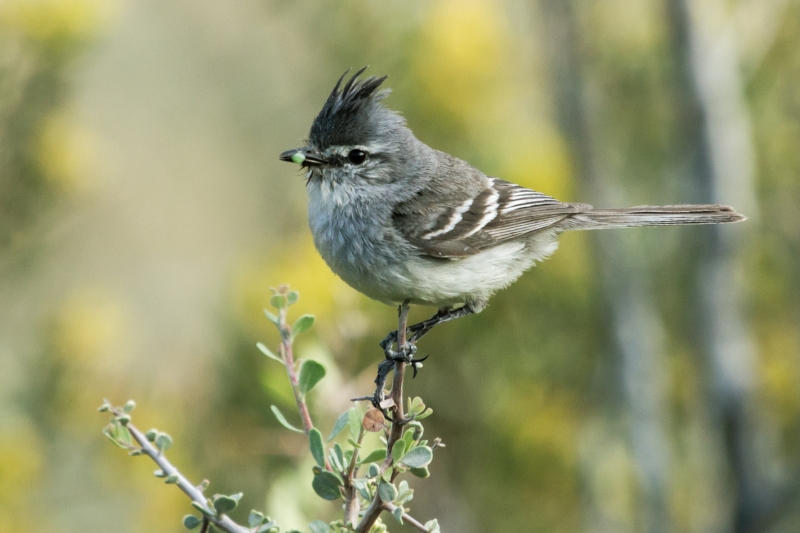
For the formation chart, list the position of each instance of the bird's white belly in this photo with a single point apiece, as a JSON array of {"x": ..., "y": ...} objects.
[{"x": 471, "y": 279}]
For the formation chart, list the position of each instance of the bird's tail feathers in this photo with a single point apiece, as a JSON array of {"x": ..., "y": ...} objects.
[{"x": 647, "y": 215}]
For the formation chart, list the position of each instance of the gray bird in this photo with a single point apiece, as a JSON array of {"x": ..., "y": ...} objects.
[{"x": 402, "y": 222}]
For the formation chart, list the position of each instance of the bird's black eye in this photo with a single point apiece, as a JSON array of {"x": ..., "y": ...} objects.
[{"x": 357, "y": 156}]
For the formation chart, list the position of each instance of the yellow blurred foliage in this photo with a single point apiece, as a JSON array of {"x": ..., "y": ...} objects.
[
  {"x": 302, "y": 268},
  {"x": 547, "y": 424},
  {"x": 538, "y": 159},
  {"x": 461, "y": 46},
  {"x": 21, "y": 464},
  {"x": 89, "y": 325},
  {"x": 779, "y": 371},
  {"x": 66, "y": 153},
  {"x": 57, "y": 20}
]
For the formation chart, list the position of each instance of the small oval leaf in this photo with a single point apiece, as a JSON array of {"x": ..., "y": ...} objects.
[
  {"x": 317, "y": 449},
  {"x": 283, "y": 421},
  {"x": 318, "y": 526},
  {"x": 302, "y": 325},
  {"x": 354, "y": 421},
  {"x": 397, "y": 513},
  {"x": 292, "y": 297},
  {"x": 418, "y": 457},
  {"x": 341, "y": 422},
  {"x": 387, "y": 491},
  {"x": 278, "y": 301},
  {"x": 423, "y": 472},
  {"x": 310, "y": 374},
  {"x": 271, "y": 317},
  {"x": 163, "y": 442},
  {"x": 374, "y": 456},
  {"x": 224, "y": 504},
  {"x": 190, "y": 521},
  {"x": 326, "y": 485},
  {"x": 255, "y": 519},
  {"x": 266, "y": 351},
  {"x": 398, "y": 449}
]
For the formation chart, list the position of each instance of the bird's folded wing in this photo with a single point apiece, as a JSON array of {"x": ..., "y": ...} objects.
[{"x": 466, "y": 221}]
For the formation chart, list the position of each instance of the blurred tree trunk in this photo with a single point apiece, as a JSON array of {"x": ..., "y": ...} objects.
[
  {"x": 720, "y": 153},
  {"x": 627, "y": 294}
]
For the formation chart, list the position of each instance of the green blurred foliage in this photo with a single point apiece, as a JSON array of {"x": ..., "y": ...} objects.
[{"x": 161, "y": 123}]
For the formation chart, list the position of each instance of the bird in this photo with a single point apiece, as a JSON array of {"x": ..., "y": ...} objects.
[{"x": 404, "y": 223}]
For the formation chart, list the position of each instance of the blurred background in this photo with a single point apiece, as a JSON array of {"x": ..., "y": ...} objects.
[{"x": 640, "y": 380}]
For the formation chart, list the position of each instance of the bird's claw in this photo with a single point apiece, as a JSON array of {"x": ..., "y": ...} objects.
[{"x": 417, "y": 364}]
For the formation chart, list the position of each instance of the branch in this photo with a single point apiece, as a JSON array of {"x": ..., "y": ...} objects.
[
  {"x": 375, "y": 507},
  {"x": 351, "y": 502},
  {"x": 288, "y": 359},
  {"x": 406, "y": 517},
  {"x": 172, "y": 474}
]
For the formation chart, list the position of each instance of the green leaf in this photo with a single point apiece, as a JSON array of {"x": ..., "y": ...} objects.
[
  {"x": 129, "y": 406},
  {"x": 405, "y": 494},
  {"x": 163, "y": 442},
  {"x": 310, "y": 374},
  {"x": 283, "y": 421},
  {"x": 432, "y": 526},
  {"x": 425, "y": 414},
  {"x": 171, "y": 479},
  {"x": 418, "y": 457},
  {"x": 255, "y": 519},
  {"x": 124, "y": 436},
  {"x": 334, "y": 459},
  {"x": 398, "y": 449},
  {"x": 123, "y": 420},
  {"x": 423, "y": 472},
  {"x": 317, "y": 449},
  {"x": 354, "y": 420},
  {"x": 339, "y": 454},
  {"x": 202, "y": 508},
  {"x": 397, "y": 513},
  {"x": 318, "y": 526},
  {"x": 190, "y": 521},
  {"x": 374, "y": 456},
  {"x": 302, "y": 324},
  {"x": 159, "y": 473},
  {"x": 151, "y": 435},
  {"x": 387, "y": 491},
  {"x": 341, "y": 422},
  {"x": 278, "y": 301},
  {"x": 266, "y": 351},
  {"x": 104, "y": 408},
  {"x": 110, "y": 432},
  {"x": 408, "y": 436},
  {"x": 225, "y": 504},
  {"x": 326, "y": 485},
  {"x": 373, "y": 471},
  {"x": 292, "y": 297},
  {"x": 272, "y": 318}
]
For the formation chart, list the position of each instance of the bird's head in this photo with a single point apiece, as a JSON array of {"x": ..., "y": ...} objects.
[{"x": 354, "y": 137}]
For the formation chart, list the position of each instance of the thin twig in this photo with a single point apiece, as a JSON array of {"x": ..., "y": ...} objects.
[
  {"x": 352, "y": 506},
  {"x": 222, "y": 522},
  {"x": 406, "y": 517},
  {"x": 288, "y": 359},
  {"x": 375, "y": 507}
]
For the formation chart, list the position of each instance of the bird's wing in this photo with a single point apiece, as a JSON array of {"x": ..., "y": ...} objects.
[{"x": 464, "y": 222}]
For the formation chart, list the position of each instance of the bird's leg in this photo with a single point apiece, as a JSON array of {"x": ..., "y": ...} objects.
[
  {"x": 404, "y": 354},
  {"x": 417, "y": 331},
  {"x": 445, "y": 314}
]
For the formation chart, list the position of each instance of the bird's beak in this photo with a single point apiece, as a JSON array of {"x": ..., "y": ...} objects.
[{"x": 302, "y": 156}]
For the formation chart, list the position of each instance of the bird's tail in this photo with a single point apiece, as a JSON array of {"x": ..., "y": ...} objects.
[{"x": 647, "y": 215}]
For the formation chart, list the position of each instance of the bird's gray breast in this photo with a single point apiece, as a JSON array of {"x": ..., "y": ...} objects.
[{"x": 353, "y": 232}]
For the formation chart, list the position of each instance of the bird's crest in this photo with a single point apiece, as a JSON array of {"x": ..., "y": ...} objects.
[{"x": 351, "y": 114}]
